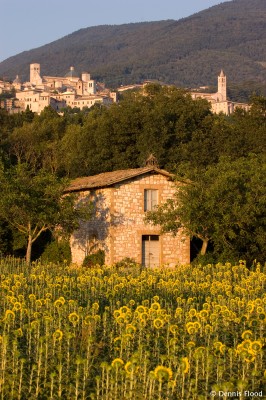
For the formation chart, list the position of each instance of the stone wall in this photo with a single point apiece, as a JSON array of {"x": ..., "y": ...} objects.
[{"x": 118, "y": 223}]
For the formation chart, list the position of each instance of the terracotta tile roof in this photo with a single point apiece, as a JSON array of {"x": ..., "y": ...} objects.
[{"x": 107, "y": 179}]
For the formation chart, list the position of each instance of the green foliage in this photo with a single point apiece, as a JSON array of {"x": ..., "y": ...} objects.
[
  {"x": 97, "y": 258},
  {"x": 58, "y": 251},
  {"x": 180, "y": 132},
  {"x": 34, "y": 202},
  {"x": 35, "y": 142},
  {"x": 123, "y": 135},
  {"x": 224, "y": 203},
  {"x": 6, "y": 238}
]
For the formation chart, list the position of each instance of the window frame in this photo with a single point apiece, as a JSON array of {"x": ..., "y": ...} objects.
[{"x": 151, "y": 201}]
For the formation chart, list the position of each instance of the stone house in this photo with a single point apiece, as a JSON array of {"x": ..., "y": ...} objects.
[{"x": 121, "y": 199}]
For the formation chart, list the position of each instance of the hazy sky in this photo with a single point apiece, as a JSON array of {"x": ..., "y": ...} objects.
[{"x": 27, "y": 24}]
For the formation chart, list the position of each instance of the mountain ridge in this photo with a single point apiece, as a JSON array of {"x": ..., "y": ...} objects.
[{"x": 186, "y": 52}]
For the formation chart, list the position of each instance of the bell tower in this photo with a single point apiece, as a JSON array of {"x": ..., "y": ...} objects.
[
  {"x": 222, "y": 86},
  {"x": 35, "y": 74}
]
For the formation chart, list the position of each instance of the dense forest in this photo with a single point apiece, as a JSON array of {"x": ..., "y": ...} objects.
[
  {"x": 188, "y": 52},
  {"x": 224, "y": 156}
]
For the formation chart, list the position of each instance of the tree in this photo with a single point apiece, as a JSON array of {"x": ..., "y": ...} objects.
[
  {"x": 124, "y": 134},
  {"x": 34, "y": 202},
  {"x": 225, "y": 204},
  {"x": 234, "y": 136},
  {"x": 36, "y": 142}
]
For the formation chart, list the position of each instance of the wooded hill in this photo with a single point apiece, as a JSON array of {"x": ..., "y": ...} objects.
[{"x": 188, "y": 52}]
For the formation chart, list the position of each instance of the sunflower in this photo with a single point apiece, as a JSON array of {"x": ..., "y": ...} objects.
[
  {"x": 155, "y": 306},
  {"x": 250, "y": 357},
  {"x": 203, "y": 314},
  {"x": 173, "y": 342},
  {"x": 9, "y": 316},
  {"x": 144, "y": 316},
  {"x": 146, "y": 303},
  {"x": 142, "y": 323},
  {"x": 73, "y": 318},
  {"x": 141, "y": 309},
  {"x": 95, "y": 307},
  {"x": 57, "y": 335},
  {"x": 208, "y": 329},
  {"x": 35, "y": 324},
  {"x": 258, "y": 302},
  {"x": 89, "y": 320},
  {"x": 158, "y": 323},
  {"x": 116, "y": 313},
  {"x": 247, "y": 335},
  {"x": 58, "y": 303},
  {"x": 192, "y": 312},
  {"x": 199, "y": 351},
  {"x": 222, "y": 348},
  {"x": 47, "y": 319},
  {"x": 130, "y": 329},
  {"x": 127, "y": 337},
  {"x": 38, "y": 303},
  {"x": 178, "y": 312},
  {"x": 206, "y": 306},
  {"x": 173, "y": 329},
  {"x": 32, "y": 297},
  {"x": 184, "y": 365},
  {"x": 17, "y": 306},
  {"x": 124, "y": 309},
  {"x": 191, "y": 344},
  {"x": 246, "y": 344},
  {"x": 196, "y": 325},
  {"x": 162, "y": 372},
  {"x": 255, "y": 346},
  {"x": 117, "y": 363},
  {"x": 131, "y": 367},
  {"x": 217, "y": 345},
  {"x": 19, "y": 332},
  {"x": 120, "y": 320},
  {"x": 190, "y": 328},
  {"x": 250, "y": 307}
]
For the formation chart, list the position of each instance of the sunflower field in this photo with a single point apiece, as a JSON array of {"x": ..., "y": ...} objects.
[{"x": 108, "y": 333}]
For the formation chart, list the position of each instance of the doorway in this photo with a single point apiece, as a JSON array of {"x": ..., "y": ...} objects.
[{"x": 150, "y": 251}]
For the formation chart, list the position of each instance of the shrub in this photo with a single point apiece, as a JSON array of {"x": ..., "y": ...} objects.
[
  {"x": 94, "y": 259},
  {"x": 57, "y": 252}
]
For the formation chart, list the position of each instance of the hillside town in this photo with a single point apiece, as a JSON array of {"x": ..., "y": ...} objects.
[
  {"x": 58, "y": 92},
  {"x": 79, "y": 92}
]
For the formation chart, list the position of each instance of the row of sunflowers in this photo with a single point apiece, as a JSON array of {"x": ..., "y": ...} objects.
[{"x": 190, "y": 332}]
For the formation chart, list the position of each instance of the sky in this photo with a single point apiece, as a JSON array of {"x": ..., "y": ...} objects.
[{"x": 27, "y": 24}]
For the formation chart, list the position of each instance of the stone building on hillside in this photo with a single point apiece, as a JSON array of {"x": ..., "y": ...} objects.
[
  {"x": 219, "y": 102},
  {"x": 60, "y": 92},
  {"x": 121, "y": 199}
]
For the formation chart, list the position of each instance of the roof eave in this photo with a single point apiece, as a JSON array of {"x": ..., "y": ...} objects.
[{"x": 85, "y": 187}]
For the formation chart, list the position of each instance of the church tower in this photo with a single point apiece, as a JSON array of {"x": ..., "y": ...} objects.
[
  {"x": 35, "y": 74},
  {"x": 222, "y": 86}
]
